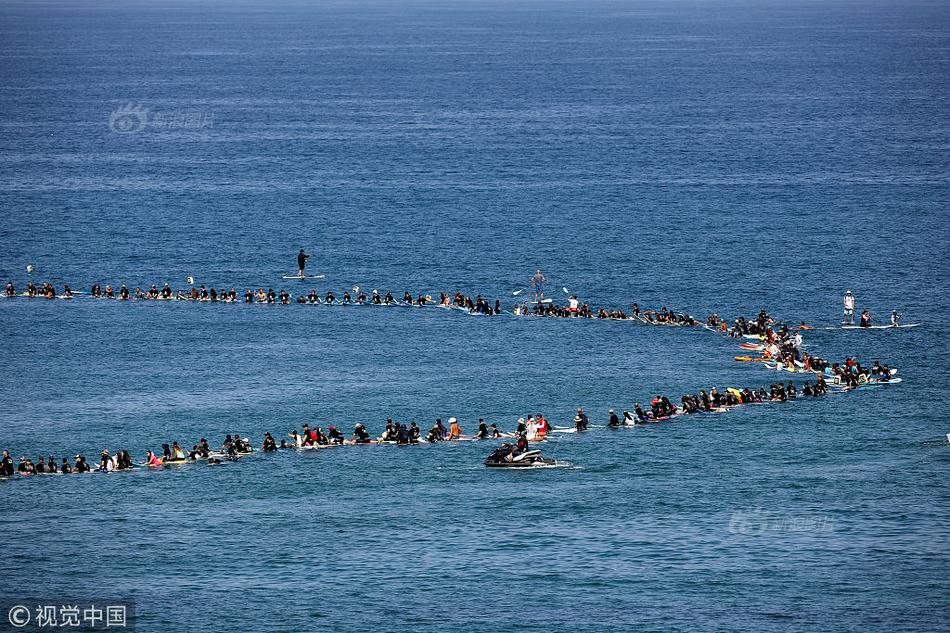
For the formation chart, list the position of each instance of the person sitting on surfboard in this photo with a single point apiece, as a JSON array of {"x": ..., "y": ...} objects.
[
  {"x": 455, "y": 431},
  {"x": 302, "y": 258},
  {"x": 614, "y": 419},
  {"x": 865, "y": 318}
]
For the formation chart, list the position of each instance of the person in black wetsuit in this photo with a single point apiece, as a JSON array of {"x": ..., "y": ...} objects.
[
  {"x": 302, "y": 258},
  {"x": 360, "y": 436},
  {"x": 581, "y": 421},
  {"x": 614, "y": 420},
  {"x": 269, "y": 443},
  {"x": 521, "y": 446},
  {"x": 638, "y": 410},
  {"x": 483, "y": 432},
  {"x": 6, "y": 465},
  {"x": 335, "y": 436}
]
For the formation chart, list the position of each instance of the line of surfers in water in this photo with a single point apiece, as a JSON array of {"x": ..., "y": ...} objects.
[
  {"x": 534, "y": 428},
  {"x": 282, "y": 297},
  {"x": 547, "y": 308},
  {"x": 784, "y": 346}
]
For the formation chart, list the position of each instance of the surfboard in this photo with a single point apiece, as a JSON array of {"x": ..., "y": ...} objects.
[{"x": 305, "y": 277}]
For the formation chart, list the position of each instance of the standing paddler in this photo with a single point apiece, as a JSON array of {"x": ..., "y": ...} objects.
[
  {"x": 849, "y": 307},
  {"x": 302, "y": 258},
  {"x": 538, "y": 282}
]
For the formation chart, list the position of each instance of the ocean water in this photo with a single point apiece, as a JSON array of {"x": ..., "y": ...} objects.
[{"x": 717, "y": 156}]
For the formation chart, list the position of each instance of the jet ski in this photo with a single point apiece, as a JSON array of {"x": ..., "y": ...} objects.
[{"x": 501, "y": 458}]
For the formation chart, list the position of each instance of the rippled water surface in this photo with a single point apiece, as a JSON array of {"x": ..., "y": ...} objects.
[{"x": 721, "y": 156}]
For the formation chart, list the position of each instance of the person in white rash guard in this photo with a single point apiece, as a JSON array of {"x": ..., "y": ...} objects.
[
  {"x": 573, "y": 304},
  {"x": 895, "y": 318},
  {"x": 849, "y": 307}
]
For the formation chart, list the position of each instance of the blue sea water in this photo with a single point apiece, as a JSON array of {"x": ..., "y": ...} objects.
[{"x": 716, "y": 156}]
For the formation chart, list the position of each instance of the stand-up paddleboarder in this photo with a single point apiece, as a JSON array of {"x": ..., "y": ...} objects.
[
  {"x": 848, "y": 307},
  {"x": 302, "y": 258},
  {"x": 538, "y": 282}
]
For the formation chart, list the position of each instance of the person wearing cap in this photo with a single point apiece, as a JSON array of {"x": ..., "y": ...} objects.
[
  {"x": 581, "y": 422},
  {"x": 521, "y": 428},
  {"x": 532, "y": 428},
  {"x": 335, "y": 436},
  {"x": 849, "y": 307},
  {"x": 614, "y": 419},
  {"x": 895, "y": 319},
  {"x": 81, "y": 466},
  {"x": 360, "y": 436},
  {"x": 269, "y": 444},
  {"x": 455, "y": 431}
]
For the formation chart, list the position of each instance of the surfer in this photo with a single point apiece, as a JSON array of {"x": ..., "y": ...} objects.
[
  {"x": 581, "y": 422},
  {"x": 455, "y": 431},
  {"x": 269, "y": 444},
  {"x": 614, "y": 419},
  {"x": 865, "y": 318},
  {"x": 360, "y": 436},
  {"x": 849, "y": 307},
  {"x": 302, "y": 258},
  {"x": 6, "y": 465},
  {"x": 895, "y": 319},
  {"x": 334, "y": 435}
]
